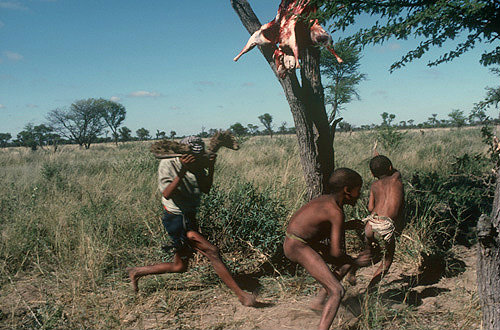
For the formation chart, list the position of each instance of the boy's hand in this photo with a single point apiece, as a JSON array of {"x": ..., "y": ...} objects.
[{"x": 189, "y": 162}]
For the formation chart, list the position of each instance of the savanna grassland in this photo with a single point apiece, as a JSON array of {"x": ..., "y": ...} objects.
[{"x": 72, "y": 221}]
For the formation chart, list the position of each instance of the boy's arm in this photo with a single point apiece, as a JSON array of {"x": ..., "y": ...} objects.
[
  {"x": 171, "y": 188},
  {"x": 371, "y": 201},
  {"x": 337, "y": 245}
]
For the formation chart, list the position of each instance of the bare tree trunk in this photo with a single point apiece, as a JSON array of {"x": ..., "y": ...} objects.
[
  {"x": 306, "y": 104},
  {"x": 488, "y": 269}
]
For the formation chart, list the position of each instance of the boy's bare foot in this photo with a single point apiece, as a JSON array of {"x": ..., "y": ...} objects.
[
  {"x": 248, "y": 299},
  {"x": 132, "y": 275}
]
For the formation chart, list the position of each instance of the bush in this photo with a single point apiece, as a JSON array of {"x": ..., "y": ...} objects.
[
  {"x": 243, "y": 220},
  {"x": 390, "y": 137},
  {"x": 457, "y": 200}
]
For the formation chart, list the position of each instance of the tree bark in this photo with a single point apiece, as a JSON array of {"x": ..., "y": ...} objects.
[
  {"x": 488, "y": 269},
  {"x": 306, "y": 104}
]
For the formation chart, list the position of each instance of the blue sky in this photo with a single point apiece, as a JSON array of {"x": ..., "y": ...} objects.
[{"x": 170, "y": 64}]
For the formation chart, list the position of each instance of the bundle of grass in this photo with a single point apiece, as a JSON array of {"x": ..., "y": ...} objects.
[{"x": 168, "y": 149}]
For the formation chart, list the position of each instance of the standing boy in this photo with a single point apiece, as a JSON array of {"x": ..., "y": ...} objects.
[
  {"x": 181, "y": 182},
  {"x": 386, "y": 206},
  {"x": 322, "y": 219}
]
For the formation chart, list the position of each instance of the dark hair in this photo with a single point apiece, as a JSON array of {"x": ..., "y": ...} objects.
[
  {"x": 380, "y": 165},
  {"x": 344, "y": 177}
]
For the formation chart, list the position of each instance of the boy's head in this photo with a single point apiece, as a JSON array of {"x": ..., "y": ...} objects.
[
  {"x": 347, "y": 181},
  {"x": 380, "y": 166},
  {"x": 195, "y": 143}
]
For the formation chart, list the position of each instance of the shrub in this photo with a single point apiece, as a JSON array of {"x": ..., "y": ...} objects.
[
  {"x": 243, "y": 219},
  {"x": 390, "y": 137},
  {"x": 457, "y": 200}
]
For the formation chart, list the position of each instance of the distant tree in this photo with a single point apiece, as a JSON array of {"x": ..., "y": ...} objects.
[
  {"x": 345, "y": 126},
  {"x": 4, "y": 139},
  {"x": 125, "y": 134},
  {"x": 142, "y": 134},
  {"x": 203, "y": 133},
  {"x": 388, "y": 135},
  {"x": 238, "y": 129},
  {"x": 432, "y": 120},
  {"x": 54, "y": 140},
  {"x": 477, "y": 116},
  {"x": 81, "y": 123},
  {"x": 457, "y": 118},
  {"x": 26, "y": 137},
  {"x": 113, "y": 114},
  {"x": 212, "y": 131},
  {"x": 282, "y": 129},
  {"x": 341, "y": 78},
  {"x": 42, "y": 134},
  {"x": 387, "y": 118},
  {"x": 267, "y": 121},
  {"x": 402, "y": 123},
  {"x": 252, "y": 129},
  {"x": 410, "y": 122},
  {"x": 444, "y": 122},
  {"x": 160, "y": 134},
  {"x": 173, "y": 134}
]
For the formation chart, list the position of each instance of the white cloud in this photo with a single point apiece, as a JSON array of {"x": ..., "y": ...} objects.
[
  {"x": 114, "y": 98},
  {"x": 174, "y": 107},
  {"x": 14, "y": 5},
  {"x": 248, "y": 84},
  {"x": 13, "y": 56},
  {"x": 31, "y": 106},
  {"x": 2, "y": 24},
  {"x": 2, "y": 106},
  {"x": 144, "y": 94}
]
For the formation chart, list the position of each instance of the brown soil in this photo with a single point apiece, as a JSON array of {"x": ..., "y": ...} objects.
[{"x": 449, "y": 303}]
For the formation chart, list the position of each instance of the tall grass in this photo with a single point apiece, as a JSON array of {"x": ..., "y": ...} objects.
[{"x": 76, "y": 218}]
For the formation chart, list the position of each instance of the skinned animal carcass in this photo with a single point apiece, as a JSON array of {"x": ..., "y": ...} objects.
[{"x": 281, "y": 31}]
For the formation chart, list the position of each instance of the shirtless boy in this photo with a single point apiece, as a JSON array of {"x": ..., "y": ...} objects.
[
  {"x": 386, "y": 207},
  {"x": 320, "y": 219},
  {"x": 181, "y": 182}
]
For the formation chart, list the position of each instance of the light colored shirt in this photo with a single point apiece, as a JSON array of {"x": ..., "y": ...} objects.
[{"x": 186, "y": 198}]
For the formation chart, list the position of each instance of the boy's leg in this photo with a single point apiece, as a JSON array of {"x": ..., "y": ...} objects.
[
  {"x": 304, "y": 255},
  {"x": 385, "y": 263},
  {"x": 177, "y": 266},
  {"x": 319, "y": 301},
  {"x": 365, "y": 257},
  {"x": 210, "y": 251}
]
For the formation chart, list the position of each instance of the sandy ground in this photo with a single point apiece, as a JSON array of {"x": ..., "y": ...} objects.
[
  {"x": 434, "y": 302},
  {"x": 446, "y": 302}
]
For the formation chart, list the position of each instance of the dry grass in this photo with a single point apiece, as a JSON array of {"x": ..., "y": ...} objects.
[{"x": 73, "y": 220}]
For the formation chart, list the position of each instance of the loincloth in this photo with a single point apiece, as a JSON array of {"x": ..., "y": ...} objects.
[
  {"x": 384, "y": 226},
  {"x": 295, "y": 237}
]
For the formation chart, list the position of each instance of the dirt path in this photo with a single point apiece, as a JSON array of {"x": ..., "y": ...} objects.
[
  {"x": 167, "y": 302},
  {"x": 431, "y": 304}
]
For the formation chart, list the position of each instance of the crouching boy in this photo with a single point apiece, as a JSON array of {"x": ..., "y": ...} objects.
[{"x": 319, "y": 220}]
